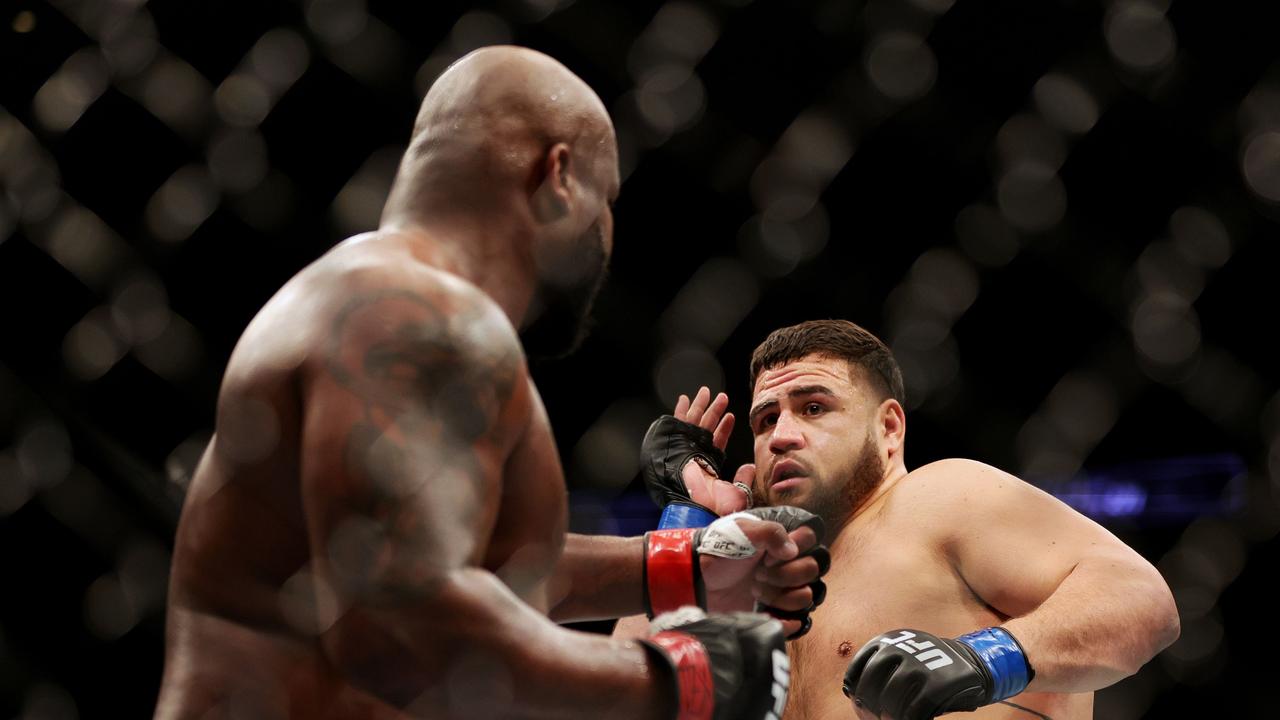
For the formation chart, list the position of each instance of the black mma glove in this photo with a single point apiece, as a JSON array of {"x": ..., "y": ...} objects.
[
  {"x": 725, "y": 666},
  {"x": 668, "y": 446},
  {"x": 913, "y": 675}
]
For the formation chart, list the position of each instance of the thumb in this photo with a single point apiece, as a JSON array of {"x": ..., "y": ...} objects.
[{"x": 770, "y": 536}]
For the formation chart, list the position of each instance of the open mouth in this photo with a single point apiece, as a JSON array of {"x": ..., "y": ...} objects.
[{"x": 786, "y": 474}]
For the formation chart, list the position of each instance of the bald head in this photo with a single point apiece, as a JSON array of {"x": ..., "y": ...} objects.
[
  {"x": 514, "y": 163},
  {"x": 514, "y": 91},
  {"x": 489, "y": 120}
]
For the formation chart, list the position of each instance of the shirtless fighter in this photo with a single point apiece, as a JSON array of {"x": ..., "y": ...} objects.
[
  {"x": 377, "y": 529},
  {"x": 954, "y": 586}
]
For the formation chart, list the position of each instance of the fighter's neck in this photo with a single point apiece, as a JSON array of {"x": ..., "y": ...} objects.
[
  {"x": 866, "y": 511},
  {"x": 483, "y": 256}
]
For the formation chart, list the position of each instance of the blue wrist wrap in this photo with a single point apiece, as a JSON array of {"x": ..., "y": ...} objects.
[
  {"x": 1003, "y": 656},
  {"x": 684, "y": 516}
]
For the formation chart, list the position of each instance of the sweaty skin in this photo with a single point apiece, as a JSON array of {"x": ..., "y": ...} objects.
[
  {"x": 381, "y": 458},
  {"x": 377, "y": 528},
  {"x": 948, "y": 548},
  {"x": 286, "y": 514}
]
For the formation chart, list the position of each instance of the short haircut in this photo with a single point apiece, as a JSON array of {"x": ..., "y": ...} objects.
[{"x": 838, "y": 339}]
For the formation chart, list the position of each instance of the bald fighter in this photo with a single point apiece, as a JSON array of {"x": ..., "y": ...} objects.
[
  {"x": 954, "y": 586},
  {"x": 377, "y": 528}
]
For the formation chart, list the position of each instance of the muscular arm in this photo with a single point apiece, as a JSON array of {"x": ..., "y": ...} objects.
[
  {"x": 409, "y": 417},
  {"x": 1088, "y": 610},
  {"x": 598, "y": 578}
]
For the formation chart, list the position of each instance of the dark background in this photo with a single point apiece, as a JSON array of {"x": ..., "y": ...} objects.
[{"x": 1061, "y": 215}]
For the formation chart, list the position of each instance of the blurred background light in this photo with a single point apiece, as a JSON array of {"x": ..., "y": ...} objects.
[
  {"x": 1061, "y": 221},
  {"x": 1139, "y": 35},
  {"x": 901, "y": 66}
]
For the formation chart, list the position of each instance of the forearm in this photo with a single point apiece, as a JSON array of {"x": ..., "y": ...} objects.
[
  {"x": 632, "y": 626},
  {"x": 598, "y": 578},
  {"x": 1106, "y": 619},
  {"x": 472, "y": 649}
]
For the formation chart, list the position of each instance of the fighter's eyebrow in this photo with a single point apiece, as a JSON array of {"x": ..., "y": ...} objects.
[{"x": 793, "y": 392}]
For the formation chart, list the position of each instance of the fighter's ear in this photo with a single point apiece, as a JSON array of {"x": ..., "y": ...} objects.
[
  {"x": 893, "y": 424},
  {"x": 552, "y": 198}
]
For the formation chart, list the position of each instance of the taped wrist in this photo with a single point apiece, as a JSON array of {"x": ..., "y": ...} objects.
[
  {"x": 672, "y": 574},
  {"x": 684, "y": 515},
  {"x": 1003, "y": 657},
  {"x": 690, "y": 666}
]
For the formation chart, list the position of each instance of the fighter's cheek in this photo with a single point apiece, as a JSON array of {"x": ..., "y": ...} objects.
[{"x": 760, "y": 459}]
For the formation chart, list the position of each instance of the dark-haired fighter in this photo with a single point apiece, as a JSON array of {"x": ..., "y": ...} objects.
[{"x": 954, "y": 586}]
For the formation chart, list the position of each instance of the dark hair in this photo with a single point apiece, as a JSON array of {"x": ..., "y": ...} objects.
[{"x": 839, "y": 339}]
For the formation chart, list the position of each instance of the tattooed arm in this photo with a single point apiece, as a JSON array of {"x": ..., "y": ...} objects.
[{"x": 410, "y": 417}]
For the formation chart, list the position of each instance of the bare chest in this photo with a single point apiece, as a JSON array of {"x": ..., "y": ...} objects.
[{"x": 878, "y": 584}]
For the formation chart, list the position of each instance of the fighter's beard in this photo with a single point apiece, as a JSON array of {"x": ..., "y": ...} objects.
[
  {"x": 561, "y": 316},
  {"x": 836, "y": 502}
]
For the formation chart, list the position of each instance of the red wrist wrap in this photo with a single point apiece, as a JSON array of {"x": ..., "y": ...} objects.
[
  {"x": 695, "y": 687},
  {"x": 670, "y": 576}
]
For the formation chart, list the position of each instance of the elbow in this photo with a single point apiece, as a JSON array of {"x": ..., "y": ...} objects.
[
  {"x": 390, "y": 643},
  {"x": 364, "y": 652},
  {"x": 1158, "y": 623},
  {"x": 396, "y": 646},
  {"x": 1167, "y": 623}
]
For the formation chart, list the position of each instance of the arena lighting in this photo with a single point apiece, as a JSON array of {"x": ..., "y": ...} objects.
[{"x": 1164, "y": 490}]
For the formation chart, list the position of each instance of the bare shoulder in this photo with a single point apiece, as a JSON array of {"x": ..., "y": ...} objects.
[
  {"x": 367, "y": 269},
  {"x": 423, "y": 306},
  {"x": 408, "y": 337},
  {"x": 956, "y": 493},
  {"x": 965, "y": 499},
  {"x": 952, "y": 479}
]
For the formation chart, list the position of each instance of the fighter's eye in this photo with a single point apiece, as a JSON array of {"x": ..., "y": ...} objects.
[{"x": 813, "y": 408}]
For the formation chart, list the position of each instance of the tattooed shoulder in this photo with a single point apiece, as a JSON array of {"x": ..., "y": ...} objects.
[{"x": 447, "y": 358}]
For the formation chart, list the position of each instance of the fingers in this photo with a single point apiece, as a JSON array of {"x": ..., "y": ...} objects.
[
  {"x": 720, "y": 436},
  {"x": 853, "y": 674},
  {"x": 706, "y": 412},
  {"x": 714, "y": 413},
  {"x": 792, "y": 629},
  {"x": 730, "y": 498},
  {"x": 699, "y": 406},
  {"x": 769, "y": 536},
  {"x": 784, "y": 598},
  {"x": 739, "y": 490},
  {"x": 874, "y": 678},
  {"x": 804, "y": 538},
  {"x": 800, "y": 571}
]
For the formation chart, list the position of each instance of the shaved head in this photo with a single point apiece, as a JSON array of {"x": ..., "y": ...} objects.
[
  {"x": 491, "y": 116},
  {"x": 516, "y": 93},
  {"x": 508, "y": 136}
]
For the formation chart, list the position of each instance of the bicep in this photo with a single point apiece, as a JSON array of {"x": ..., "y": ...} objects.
[
  {"x": 409, "y": 416},
  {"x": 1014, "y": 544}
]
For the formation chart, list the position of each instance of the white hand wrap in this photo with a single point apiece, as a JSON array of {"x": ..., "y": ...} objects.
[
  {"x": 675, "y": 618},
  {"x": 723, "y": 538}
]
